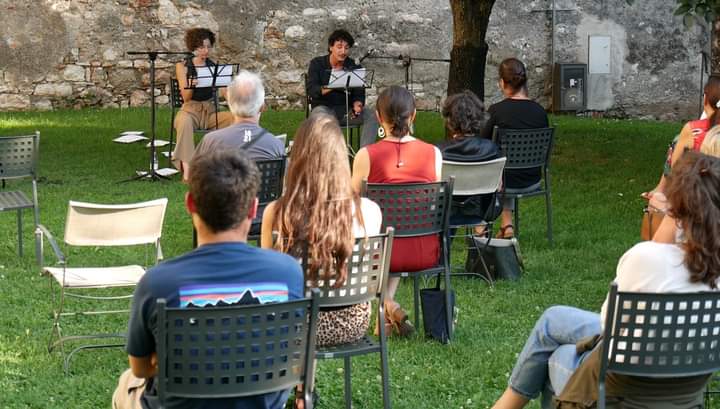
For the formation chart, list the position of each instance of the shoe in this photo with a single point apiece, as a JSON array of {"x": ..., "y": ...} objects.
[
  {"x": 399, "y": 319},
  {"x": 388, "y": 327},
  {"x": 504, "y": 234}
]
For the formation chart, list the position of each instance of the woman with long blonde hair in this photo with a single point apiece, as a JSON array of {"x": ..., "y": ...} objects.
[{"x": 319, "y": 210}]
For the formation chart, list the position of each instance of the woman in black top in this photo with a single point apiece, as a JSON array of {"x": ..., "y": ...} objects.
[
  {"x": 465, "y": 118},
  {"x": 516, "y": 111}
]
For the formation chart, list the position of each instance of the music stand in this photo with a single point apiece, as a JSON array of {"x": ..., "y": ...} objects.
[
  {"x": 215, "y": 77},
  {"x": 346, "y": 80},
  {"x": 152, "y": 173}
]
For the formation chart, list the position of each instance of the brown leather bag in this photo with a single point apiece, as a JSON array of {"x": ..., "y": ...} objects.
[{"x": 652, "y": 217}]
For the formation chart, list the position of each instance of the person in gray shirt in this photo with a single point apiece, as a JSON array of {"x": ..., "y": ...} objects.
[{"x": 246, "y": 98}]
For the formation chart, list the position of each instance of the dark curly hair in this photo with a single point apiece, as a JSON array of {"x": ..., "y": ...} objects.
[
  {"x": 693, "y": 193},
  {"x": 513, "y": 73},
  {"x": 396, "y": 106},
  {"x": 341, "y": 35},
  {"x": 195, "y": 36},
  {"x": 464, "y": 113}
]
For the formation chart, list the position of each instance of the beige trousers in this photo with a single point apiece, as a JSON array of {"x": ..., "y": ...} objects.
[
  {"x": 128, "y": 392},
  {"x": 195, "y": 115}
]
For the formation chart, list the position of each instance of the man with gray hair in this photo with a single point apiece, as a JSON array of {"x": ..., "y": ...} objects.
[{"x": 246, "y": 98}]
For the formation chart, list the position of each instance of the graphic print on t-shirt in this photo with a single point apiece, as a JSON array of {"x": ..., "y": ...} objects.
[{"x": 204, "y": 295}]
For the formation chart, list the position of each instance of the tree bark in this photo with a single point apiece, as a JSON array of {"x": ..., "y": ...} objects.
[
  {"x": 469, "y": 51},
  {"x": 715, "y": 46}
]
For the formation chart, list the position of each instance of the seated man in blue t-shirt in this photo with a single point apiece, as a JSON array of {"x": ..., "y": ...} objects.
[{"x": 223, "y": 269}]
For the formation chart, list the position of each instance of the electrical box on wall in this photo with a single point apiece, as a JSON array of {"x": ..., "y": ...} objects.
[{"x": 569, "y": 87}]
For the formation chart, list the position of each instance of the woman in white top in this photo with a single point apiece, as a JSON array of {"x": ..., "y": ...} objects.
[
  {"x": 684, "y": 256},
  {"x": 319, "y": 209}
]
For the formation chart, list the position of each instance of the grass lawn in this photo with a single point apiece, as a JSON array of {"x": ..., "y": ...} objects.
[{"x": 599, "y": 168}]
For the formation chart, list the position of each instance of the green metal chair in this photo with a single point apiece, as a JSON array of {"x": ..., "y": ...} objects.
[
  {"x": 413, "y": 210},
  {"x": 237, "y": 351},
  {"x": 671, "y": 335},
  {"x": 366, "y": 281},
  {"x": 19, "y": 159},
  {"x": 528, "y": 149}
]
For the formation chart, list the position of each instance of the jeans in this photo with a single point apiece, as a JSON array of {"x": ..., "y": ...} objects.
[{"x": 548, "y": 358}]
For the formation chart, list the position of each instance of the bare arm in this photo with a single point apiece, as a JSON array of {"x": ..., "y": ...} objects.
[
  {"x": 685, "y": 141},
  {"x": 267, "y": 226},
  {"x": 361, "y": 169},
  {"x": 143, "y": 367},
  {"x": 438, "y": 164},
  {"x": 181, "y": 75}
]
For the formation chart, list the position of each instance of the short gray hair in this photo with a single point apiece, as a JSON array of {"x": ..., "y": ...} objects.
[{"x": 246, "y": 94}]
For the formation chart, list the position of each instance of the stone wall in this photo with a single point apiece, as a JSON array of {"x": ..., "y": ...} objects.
[{"x": 72, "y": 53}]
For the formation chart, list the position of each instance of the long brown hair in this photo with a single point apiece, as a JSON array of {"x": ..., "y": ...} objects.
[
  {"x": 316, "y": 208},
  {"x": 693, "y": 193}
]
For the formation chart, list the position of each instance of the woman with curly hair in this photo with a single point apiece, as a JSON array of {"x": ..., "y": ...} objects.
[
  {"x": 684, "y": 256},
  {"x": 198, "y": 109},
  {"x": 320, "y": 210}
]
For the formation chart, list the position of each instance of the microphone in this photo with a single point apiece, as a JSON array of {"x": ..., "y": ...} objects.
[{"x": 367, "y": 54}]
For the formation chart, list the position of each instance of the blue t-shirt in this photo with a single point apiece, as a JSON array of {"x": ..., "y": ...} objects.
[{"x": 211, "y": 274}]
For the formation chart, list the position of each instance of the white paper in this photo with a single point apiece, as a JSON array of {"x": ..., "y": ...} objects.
[
  {"x": 338, "y": 78},
  {"x": 161, "y": 172},
  {"x": 224, "y": 77},
  {"x": 158, "y": 143},
  {"x": 130, "y": 138},
  {"x": 132, "y": 133}
]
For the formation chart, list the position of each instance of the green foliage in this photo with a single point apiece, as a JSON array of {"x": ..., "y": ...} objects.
[
  {"x": 691, "y": 9},
  {"x": 599, "y": 168}
]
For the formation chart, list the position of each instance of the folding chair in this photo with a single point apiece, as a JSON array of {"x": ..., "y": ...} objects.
[
  {"x": 528, "y": 149},
  {"x": 176, "y": 102},
  {"x": 471, "y": 179},
  {"x": 671, "y": 335},
  {"x": 19, "y": 159},
  {"x": 272, "y": 174},
  {"x": 413, "y": 210},
  {"x": 238, "y": 351},
  {"x": 99, "y": 225},
  {"x": 366, "y": 281}
]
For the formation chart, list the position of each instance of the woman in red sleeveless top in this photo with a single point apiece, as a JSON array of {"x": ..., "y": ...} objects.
[{"x": 400, "y": 158}]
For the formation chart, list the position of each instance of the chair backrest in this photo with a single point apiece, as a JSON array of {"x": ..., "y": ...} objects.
[
  {"x": 525, "y": 148},
  {"x": 661, "y": 335},
  {"x": 413, "y": 209},
  {"x": 19, "y": 155},
  {"x": 475, "y": 178},
  {"x": 229, "y": 352},
  {"x": 90, "y": 224},
  {"x": 272, "y": 173},
  {"x": 176, "y": 99},
  {"x": 366, "y": 276}
]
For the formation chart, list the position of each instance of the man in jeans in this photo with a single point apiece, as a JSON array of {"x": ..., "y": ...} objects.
[{"x": 223, "y": 269}]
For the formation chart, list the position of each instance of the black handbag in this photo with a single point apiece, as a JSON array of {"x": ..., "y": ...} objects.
[
  {"x": 501, "y": 256},
  {"x": 434, "y": 313}
]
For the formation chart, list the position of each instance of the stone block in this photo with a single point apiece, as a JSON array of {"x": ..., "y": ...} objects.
[
  {"x": 74, "y": 73},
  {"x": 110, "y": 54},
  {"x": 313, "y": 12},
  {"x": 295, "y": 32},
  {"x": 14, "y": 102},
  {"x": 138, "y": 98},
  {"x": 54, "y": 90}
]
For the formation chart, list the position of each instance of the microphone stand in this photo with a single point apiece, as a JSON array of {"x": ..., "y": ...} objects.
[
  {"x": 152, "y": 172},
  {"x": 407, "y": 63}
]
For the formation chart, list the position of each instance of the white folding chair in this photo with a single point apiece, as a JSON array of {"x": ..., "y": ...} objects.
[{"x": 99, "y": 225}]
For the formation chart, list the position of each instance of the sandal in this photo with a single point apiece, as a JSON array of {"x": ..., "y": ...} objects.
[
  {"x": 399, "y": 319},
  {"x": 503, "y": 232},
  {"x": 300, "y": 401}
]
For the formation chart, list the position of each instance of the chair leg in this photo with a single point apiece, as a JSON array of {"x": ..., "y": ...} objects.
[
  {"x": 416, "y": 297},
  {"x": 516, "y": 221},
  {"x": 448, "y": 308},
  {"x": 548, "y": 206},
  {"x": 385, "y": 373},
  {"x": 20, "y": 232},
  {"x": 348, "y": 384}
]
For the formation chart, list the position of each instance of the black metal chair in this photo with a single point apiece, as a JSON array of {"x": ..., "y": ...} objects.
[
  {"x": 413, "y": 210},
  {"x": 366, "y": 281},
  {"x": 176, "y": 102},
  {"x": 528, "y": 149},
  {"x": 19, "y": 159},
  {"x": 671, "y": 335},
  {"x": 238, "y": 351},
  {"x": 272, "y": 174}
]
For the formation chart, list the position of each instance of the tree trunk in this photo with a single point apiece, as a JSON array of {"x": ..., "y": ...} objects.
[
  {"x": 467, "y": 58},
  {"x": 715, "y": 47}
]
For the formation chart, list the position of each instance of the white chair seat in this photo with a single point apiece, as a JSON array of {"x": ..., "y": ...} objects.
[{"x": 94, "y": 277}]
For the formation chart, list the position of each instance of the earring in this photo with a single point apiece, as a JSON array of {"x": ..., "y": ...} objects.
[{"x": 381, "y": 132}]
